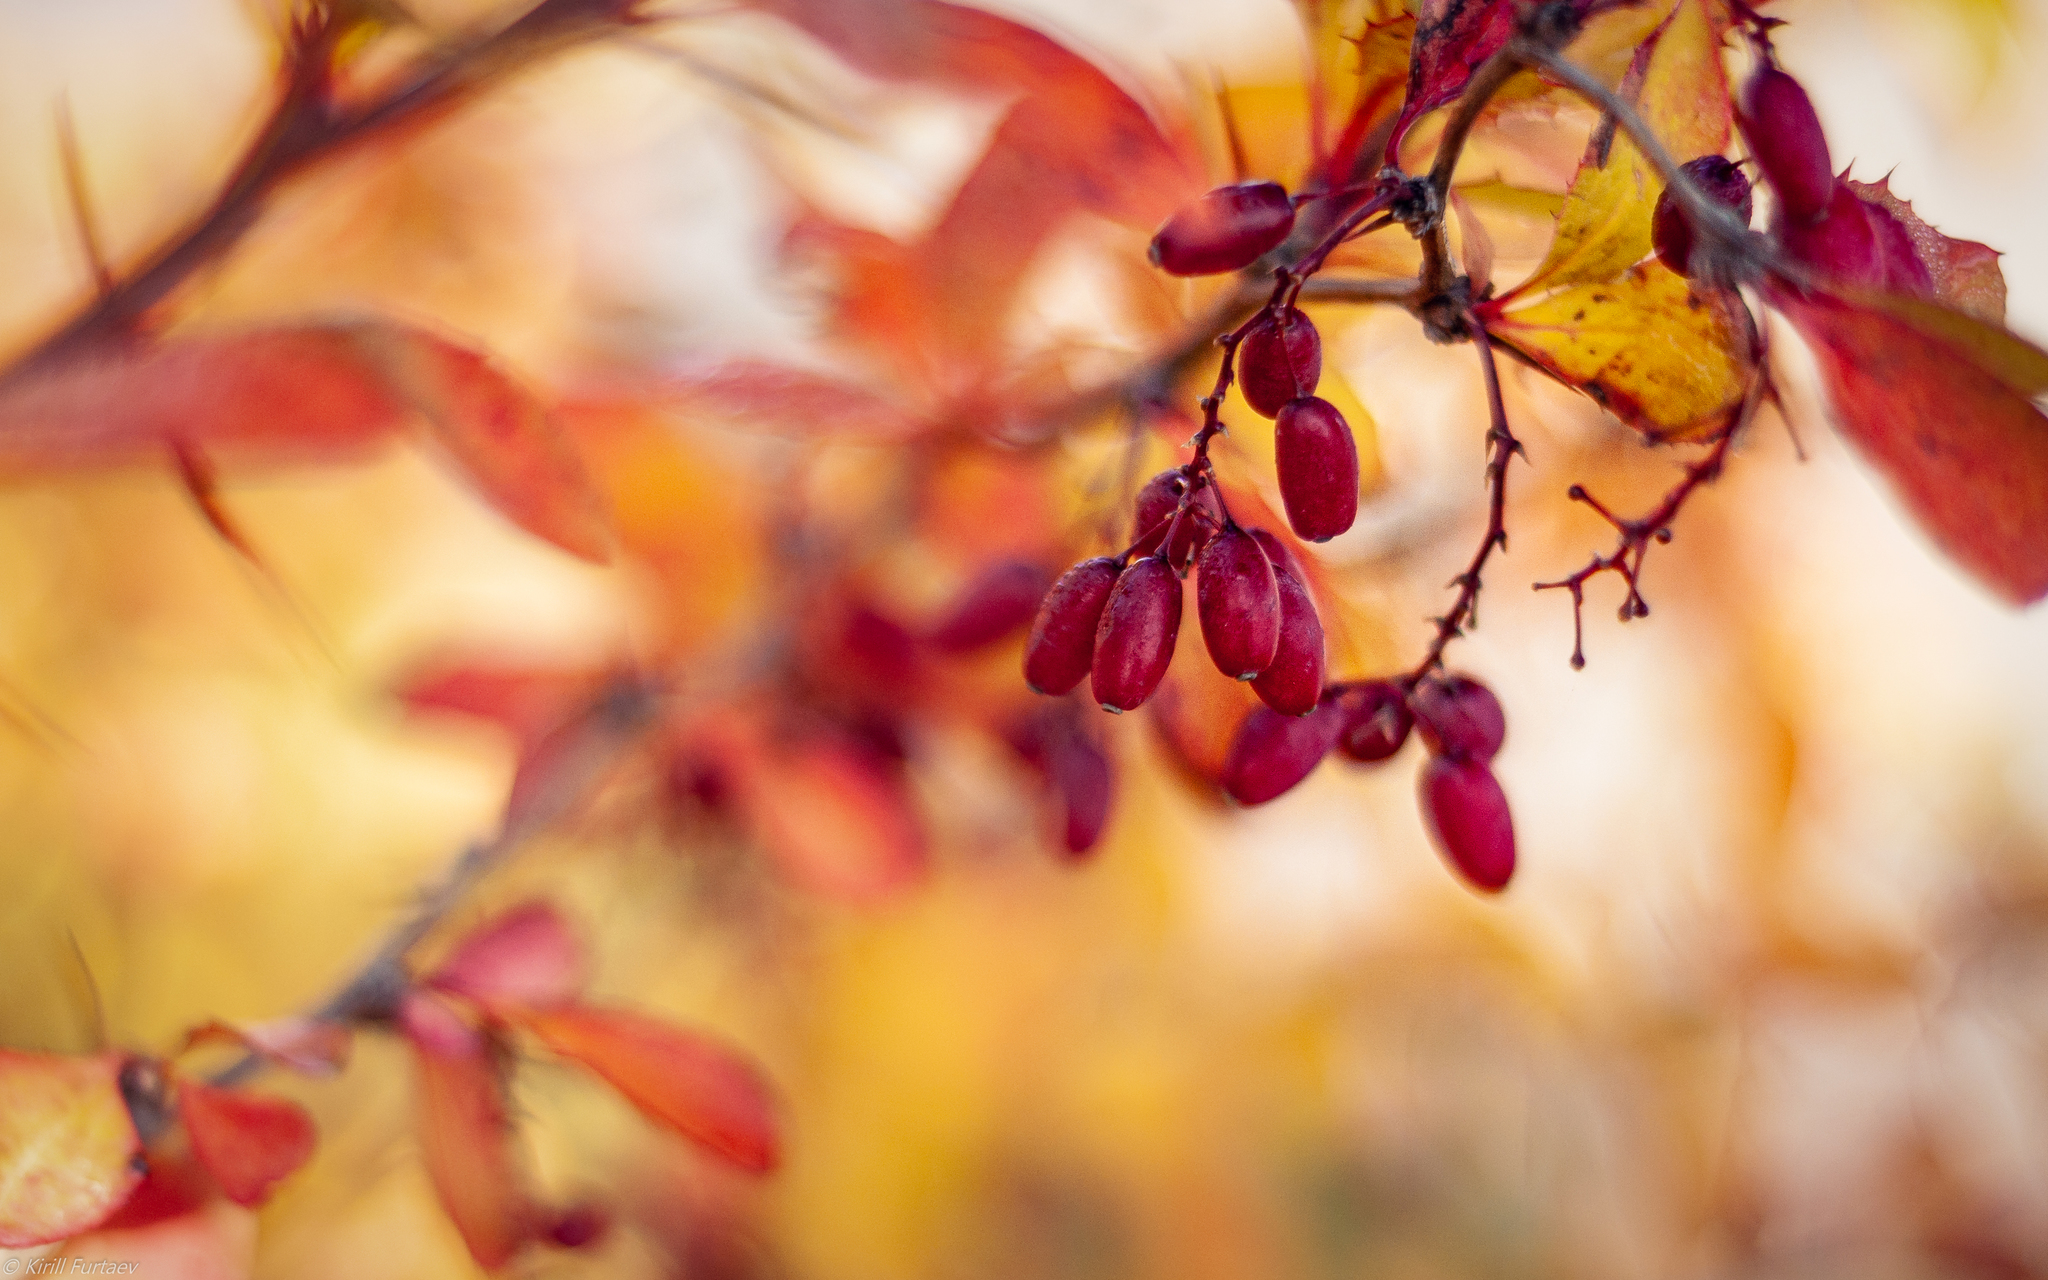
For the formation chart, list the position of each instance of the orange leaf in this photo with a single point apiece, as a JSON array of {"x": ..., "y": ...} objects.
[
  {"x": 1965, "y": 451},
  {"x": 176, "y": 1225},
  {"x": 684, "y": 1081},
  {"x": 524, "y": 956},
  {"x": 755, "y": 395},
  {"x": 247, "y": 1141},
  {"x": 68, "y": 1147},
  {"x": 465, "y": 1132}
]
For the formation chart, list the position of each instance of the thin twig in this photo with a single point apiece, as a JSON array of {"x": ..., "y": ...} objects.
[
  {"x": 82, "y": 216},
  {"x": 1502, "y": 447}
]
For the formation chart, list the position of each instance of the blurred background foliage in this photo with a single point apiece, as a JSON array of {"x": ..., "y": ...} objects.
[{"x": 1764, "y": 1001}]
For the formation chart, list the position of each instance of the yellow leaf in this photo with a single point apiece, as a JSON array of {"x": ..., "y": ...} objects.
[
  {"x": 1667, "y": 361},
  {"x": 1604, "y": 226},
  {"x": 67, "y": 1146}
]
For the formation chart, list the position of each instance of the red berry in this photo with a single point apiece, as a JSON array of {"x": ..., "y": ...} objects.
[
  {"x": 1081, "y": 776},
  {"x": 1784, "y": 135},
  {"x": 1134, "y": 642},
  {"x": 1062, "y": 644},
  {"x": 1671, "y": 231},
  {"x": 1376, "y": 720},
  {"x": 1459, "y": 716},
  {"x": 1272, "y": 752},
  {"x": 579, "y": 1227},
  {"x": 1228, "y": 228},
  {"x": 995, "y": 602},
  {"x": 1155, "y": 506},
  {"x": 1280, "y": 359},
  {"x": 1317, "y": 461},
  {"x": 1469, "y": 821},
  {"x": 1293, "y": 684},
  {"x": 1238, "y": 602}
]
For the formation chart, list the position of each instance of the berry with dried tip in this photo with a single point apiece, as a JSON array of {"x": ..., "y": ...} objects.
[
  {"x": 1670, "y": 229},
  {"x": 1376, "y": 720},
  {"x": 1134, "y": 642},
  {"x": 1062, "y": 644},
  {"x": 1784, "y": 135},
  {"x": 1280, "y": 359},
  {"x": 1272, "y": 753},
  {"x": 995, "y": 602},
  {"x": 1317, "y": 462},
  {"x": 1238, "y": 602},
  {"x": 1228, "y": 228},
  {"x": 1293, "y": 684},
  {"x": 1468, "y": 819},
  {"x": 1459, "y": 716},
  {"x": 1157, "y": 501}
]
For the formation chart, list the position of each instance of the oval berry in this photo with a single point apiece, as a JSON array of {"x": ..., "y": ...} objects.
[
  {"x": 1228, "y": 228},
  {"x": 1670, "y": 229},
  {"x": 1784, "y": 135},
  {"x": 1272, "y": 753},
  {"x": 1280, "y": 359},
  {"x": 1317, "y": 462},
  {"x": 1156, "y": 503},
  {"x": 1376, "y": 721},
  {"x": 1134, "y": 642},
  {"x": 1459, "y": 716},
  {"x": 1062, "y": 644},
  {"x": 1081, "y": 776},
  {"x": 1293, "y": 683},
  {"x": 1469, "y": 822},
  {"x": 995, "y": 602},
  {"x": 1238, "y": 602}
]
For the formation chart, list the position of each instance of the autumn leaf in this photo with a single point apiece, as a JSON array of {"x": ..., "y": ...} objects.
[
  {"x": 528, "y": 702},
  {"x": 1667, "y": 360},
  {"x": 294, "y": 395},
  {"x": 176, "y": 1224},
  {"x": 69, "y": 1154},
  {"x": 1955, "y": 432},
  {"x": 1452, "y": 37},
  {"x": 524, "y": 956},
  {"x": 1361, "y": 55},
  {"x": 309, "y": 1046},
  {"x": 1965, "y": 273},
  {"x": 1680, "y": 90},
  {"x": 465, "y": 1131},
  {"x": 680, "y": 1080},
  {"x": 247, "y": 1141}
]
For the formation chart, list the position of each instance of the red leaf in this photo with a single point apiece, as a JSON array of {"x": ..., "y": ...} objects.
[
  {"x": 465, "y": 1132},
  {"x": 684, "y": 1081},
  {"x": 1966, "y": 452},
  {"x": 525, "y": 956},
  {"x": 755, "y": 395},
  {"x": 499, "y": 434},
  {"x": 318, "y": 394},
  {"x": 830, "y": 811},
  {"x": 68, "y": 1147},
  {"x": 309, "y": 1046},
  {"x": 1452, "y": 37},
  {"x": 247, "y": 1141},
  {"x": 531, "y": 702}
]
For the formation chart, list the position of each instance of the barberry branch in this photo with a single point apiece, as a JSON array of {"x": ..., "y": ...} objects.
[
  {"x": 1502, "y": 447},
  {"x": 307, "y": 126},
  {"x": 554, "y": 779}
]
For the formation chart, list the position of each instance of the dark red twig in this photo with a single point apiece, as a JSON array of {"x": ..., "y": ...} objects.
[{"x": 1501, "y": 447}]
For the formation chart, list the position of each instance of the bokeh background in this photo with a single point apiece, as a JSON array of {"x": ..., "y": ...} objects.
[{"x": 1765, "y": 999}]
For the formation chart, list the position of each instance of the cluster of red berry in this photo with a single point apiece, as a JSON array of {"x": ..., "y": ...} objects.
[{"x": 1114, "y": 620}]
